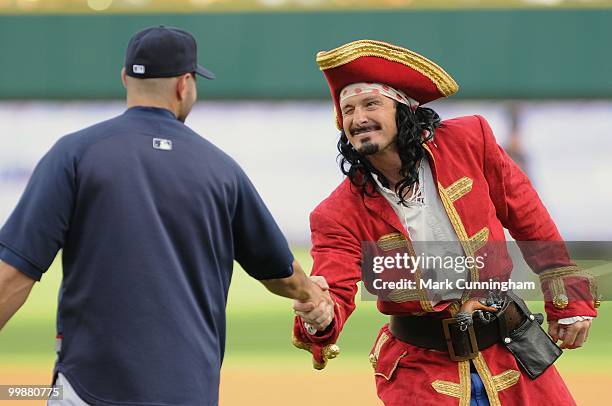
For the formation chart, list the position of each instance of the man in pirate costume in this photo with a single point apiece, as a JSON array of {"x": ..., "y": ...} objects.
[{"x": 410, "y": 178}]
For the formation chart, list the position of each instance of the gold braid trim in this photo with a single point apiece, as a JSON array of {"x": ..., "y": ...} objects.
[
  {"x": 479, "y": 240},
  {"x": 357, "y": 49},
  {"x": 561, "y": 272},
  {"x": 465, "y": 380},
  {"x": 459, "y": 390},
  {"x": 395, "y": 241},
  {"x": 559, "y": 294},
  {"x": 447, "y": 388},
  {"x": 374, "y": 355},
  {"x": 392, "y": 241},
  {"x": 500, "y": 382},
  {"x": 454, "y": 308},
  {"x": 404, "y": 295},
  {"x": 597, "y": 298},
  {"x": 460, "y": 188},
  {"x": 394, "y": 367},
  {"x": 487, "y": 379},
  {"x": 425, "y": 302},
  {"x": 455, "y": 220},
  {"x": 506, "y": 379}
]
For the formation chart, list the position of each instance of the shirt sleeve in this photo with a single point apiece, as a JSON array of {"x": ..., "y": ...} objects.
[
  {"x": 260, "y": 247},
  {"x": 37, "y": 228},
  {"x": 571, "y": 320}
]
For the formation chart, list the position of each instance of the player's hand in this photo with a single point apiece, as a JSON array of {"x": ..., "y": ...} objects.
[
  {"x": 572, "y": 335},
  {"x": 320, "y": 313}
]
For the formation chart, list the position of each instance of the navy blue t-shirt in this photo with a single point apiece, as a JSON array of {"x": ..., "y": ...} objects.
[{"x": 150, "y": 217}]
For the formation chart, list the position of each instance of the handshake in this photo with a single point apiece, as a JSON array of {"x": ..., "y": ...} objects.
[{"x": 317, "y": 312}]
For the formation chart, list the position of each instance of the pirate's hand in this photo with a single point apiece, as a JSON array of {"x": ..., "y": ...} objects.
[{"x": 572, "y": 335}]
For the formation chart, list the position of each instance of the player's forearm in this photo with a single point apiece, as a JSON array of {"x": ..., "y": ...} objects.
[
  {"x": 14, "y": 290},
  {"x": 297, "y": 286}
]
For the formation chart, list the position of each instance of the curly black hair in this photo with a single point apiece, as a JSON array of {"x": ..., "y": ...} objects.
[{"x": 410, "y": 126}]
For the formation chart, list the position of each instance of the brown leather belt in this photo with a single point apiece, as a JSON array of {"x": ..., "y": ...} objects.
[{"x": 445, "y": 334}]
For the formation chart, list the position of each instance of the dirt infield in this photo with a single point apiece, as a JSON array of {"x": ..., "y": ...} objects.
[
  {"x": 355, "y": 389},
  {"x": 252, "y": 386}
]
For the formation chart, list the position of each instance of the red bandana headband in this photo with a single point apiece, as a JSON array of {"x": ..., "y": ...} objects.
[{"x": 355, "y": 89}]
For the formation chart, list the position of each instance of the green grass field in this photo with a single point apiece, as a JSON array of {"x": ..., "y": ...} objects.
[{"x": 259, "y": 328}]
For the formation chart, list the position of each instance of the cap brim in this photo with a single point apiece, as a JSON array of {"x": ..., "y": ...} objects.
[{"x": 202, "y": 71}]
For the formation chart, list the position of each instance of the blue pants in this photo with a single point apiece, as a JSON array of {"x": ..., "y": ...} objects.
[{"x": 479, "y": 395}]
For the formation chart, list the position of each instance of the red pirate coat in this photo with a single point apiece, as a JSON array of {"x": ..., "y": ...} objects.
[{"x": 483, "y": 192}]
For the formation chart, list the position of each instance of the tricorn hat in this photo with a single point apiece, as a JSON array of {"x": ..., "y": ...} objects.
[{"x": 381, "y": 62}]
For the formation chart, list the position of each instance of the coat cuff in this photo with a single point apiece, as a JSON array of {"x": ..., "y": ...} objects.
[
  {"x": 569, "y": 291},
  {"x": 321, "y": 352},
  {"x": 321, "y": 345}
]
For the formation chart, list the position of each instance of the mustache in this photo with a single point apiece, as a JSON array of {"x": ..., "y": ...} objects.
[{"x": 364, "y": 129}]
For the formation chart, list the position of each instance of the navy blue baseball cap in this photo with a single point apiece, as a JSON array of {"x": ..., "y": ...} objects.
[{"x": 163, "y": 52}]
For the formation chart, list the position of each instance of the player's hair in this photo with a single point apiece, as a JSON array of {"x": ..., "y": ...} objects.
[{"x": 410, "y": 126}]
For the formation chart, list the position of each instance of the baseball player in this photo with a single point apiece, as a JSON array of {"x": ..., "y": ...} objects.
[{"x": 150, "y": 217}]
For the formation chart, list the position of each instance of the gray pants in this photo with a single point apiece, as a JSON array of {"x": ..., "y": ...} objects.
[{"x": 70, "y": 397}]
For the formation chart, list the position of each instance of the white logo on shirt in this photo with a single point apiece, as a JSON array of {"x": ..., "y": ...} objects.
[{"x": 164, "y": 145}]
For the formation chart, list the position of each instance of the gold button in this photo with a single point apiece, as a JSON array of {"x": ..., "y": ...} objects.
[
  {"x": 597, "y": 302},
  {"x": 560, "y": 301}
]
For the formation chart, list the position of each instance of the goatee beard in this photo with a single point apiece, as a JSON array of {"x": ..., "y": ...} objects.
[{"x": 368, "y": 149}]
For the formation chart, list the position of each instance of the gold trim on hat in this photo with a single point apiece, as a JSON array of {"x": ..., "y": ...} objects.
[{"x": 357, "y": 49}]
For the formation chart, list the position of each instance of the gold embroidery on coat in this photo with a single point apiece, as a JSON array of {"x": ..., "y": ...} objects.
[
  {"x": 447, "y": 388},
  {"x": 506, "y": 379},
  {"x": 392, "y": 241},
  {"x": 397, "y": 241},
  {"x": 559, "y": 295},
  {"x": 561, "y": 272},
  {"x": 460, "y": 188},
  {"x": 459, "y": 228},
  {"x": 404, "y": 295},
  {"x": 479, "y": 240},
  {"x": 379, "y": 343},
  {"x": 487, "y": 379},
  {"x": 555, "y": 278},
  {"x": 394, "y": 367},
  {"x": 459, "y": 390}
]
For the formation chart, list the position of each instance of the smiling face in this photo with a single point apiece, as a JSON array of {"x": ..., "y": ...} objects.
[{"x": 369, "y": 122}]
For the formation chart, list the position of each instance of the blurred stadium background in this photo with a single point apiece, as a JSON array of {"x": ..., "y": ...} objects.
[{"x": 538, "y": 70}]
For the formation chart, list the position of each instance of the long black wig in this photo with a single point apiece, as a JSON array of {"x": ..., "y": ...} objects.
[{"x": 410, "y": 129}]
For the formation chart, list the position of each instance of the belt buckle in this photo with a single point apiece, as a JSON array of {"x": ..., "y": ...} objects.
[{"x": 449, "y": 341}]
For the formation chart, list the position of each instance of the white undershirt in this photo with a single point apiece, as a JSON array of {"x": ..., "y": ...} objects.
[{"x": 431, "y": 233}]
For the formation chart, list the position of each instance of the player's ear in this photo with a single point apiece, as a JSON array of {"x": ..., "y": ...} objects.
[
  {"x": 123, "y": 78},
  {"x": 182, "y": 86}
]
